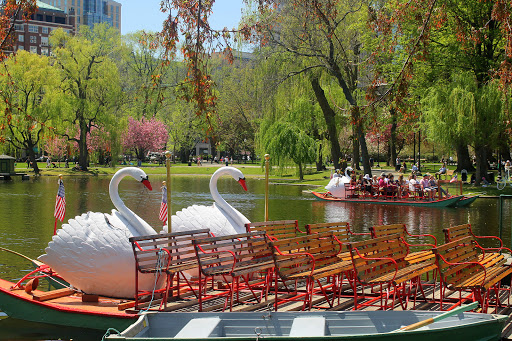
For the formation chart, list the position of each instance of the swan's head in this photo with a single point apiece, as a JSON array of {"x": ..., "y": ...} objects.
[
  {"x": 234, "y": 172},
  {"x": 136, "y": 173}
]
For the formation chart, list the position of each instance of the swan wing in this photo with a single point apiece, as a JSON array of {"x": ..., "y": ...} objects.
[
  {"x": 199, "y": 217},
  {"x": 95, "y": 256}
]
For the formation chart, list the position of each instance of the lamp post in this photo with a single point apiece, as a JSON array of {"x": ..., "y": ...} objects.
[{"x": 378, "y": 150}]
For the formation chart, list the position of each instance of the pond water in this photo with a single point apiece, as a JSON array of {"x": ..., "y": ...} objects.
[{"x": 26, "y": 219}]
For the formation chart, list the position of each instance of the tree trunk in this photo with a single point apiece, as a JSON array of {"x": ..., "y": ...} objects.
[
  {"x": 463, "y": 159},
  {"x": 329, "y": 116},
  {"x": 301, "y": 173},
  {"x": 32, "y": 157},
  {"x": 392, "y": 140},
  {"x": 319, "y": 162},
  {"x": 355, "y": 150},
  {"x": 82, "y": 145},
  {"x": 481, "y": 163}
]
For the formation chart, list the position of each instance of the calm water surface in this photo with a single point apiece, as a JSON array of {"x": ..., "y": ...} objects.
[{"x": 26, "y": 220}]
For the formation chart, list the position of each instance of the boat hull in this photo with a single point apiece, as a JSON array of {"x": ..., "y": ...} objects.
[
  {"x": 448, "y": 202},
  {"x": 353, "y": 325},
  {"x": 466, "y": 201},
  {"x": 66, "y": 312}
]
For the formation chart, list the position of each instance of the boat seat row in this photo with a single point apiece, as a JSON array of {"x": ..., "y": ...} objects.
[{"x": 248, "y": 266}]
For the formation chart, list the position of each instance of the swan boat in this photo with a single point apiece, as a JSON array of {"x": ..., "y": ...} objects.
[
  {"x": 445, "y": 202},
  {"x": 324, "y": 325},
  {"x": 92, "y": 252}
]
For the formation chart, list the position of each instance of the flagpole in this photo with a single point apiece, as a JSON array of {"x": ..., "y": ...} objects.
[
  {"x": 55, "y": 226},
  {"x": 267, "y": 158},
  {"x": 168, "y": 165}
]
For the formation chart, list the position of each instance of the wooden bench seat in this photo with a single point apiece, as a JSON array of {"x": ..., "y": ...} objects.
[
  {"x": 312, "y": 259},
  {"x": 233, "y": 258},
  {"x": 382, "y": 261},
  {"x": 461, "y": 269},
  {"x": 276, "y": 229},
  {"x": 400, "y": 229},
  {"x": 341, "y": 231},
  {"x": 169, "y": 253}
]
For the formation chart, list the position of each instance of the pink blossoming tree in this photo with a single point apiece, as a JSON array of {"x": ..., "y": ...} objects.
[{"x": 145, "y": 135}]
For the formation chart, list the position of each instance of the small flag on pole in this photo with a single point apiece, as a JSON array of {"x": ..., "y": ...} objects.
[
  {"x": 60, "y": 203},
  {"x": 163, "y": 205}
]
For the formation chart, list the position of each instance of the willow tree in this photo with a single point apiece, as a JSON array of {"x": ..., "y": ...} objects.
[
  {"x": 28, "y": 85},
  {"x": 285, "y": 142},
  {"x": 89, "y": 80},
  {"x": 323, "y": 38},
  {"x": 463, "y": 112}
]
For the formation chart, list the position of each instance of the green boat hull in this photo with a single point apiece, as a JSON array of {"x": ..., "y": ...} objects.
[
  {"x": 34, "y": 311},
  {"x": 448, "y": 202}
]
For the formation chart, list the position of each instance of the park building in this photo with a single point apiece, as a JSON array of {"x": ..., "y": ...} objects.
[
  {"x": 33, "y": 35},
  {"x": 90, "y": 12}
]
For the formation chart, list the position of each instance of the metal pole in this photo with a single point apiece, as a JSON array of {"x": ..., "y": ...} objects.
[
  {"x": 168, "y": 165},
  {"x": 500, "y": 210},
  {"x": 378, "y": 150},
  {"x": 267, "y": 158}
]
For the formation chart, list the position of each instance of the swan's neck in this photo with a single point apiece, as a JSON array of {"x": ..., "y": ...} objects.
[
  {"x": 140, "y": 225},
  {"x": 221, "y": 203}
]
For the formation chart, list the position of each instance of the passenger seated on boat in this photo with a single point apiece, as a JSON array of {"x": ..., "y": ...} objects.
[
  {"x": 382, "y": 184},
  {"x": 402, "y": 186},
  {"x": 414, "y": 186},
  {"x": 367, "y": 184},
  {"x": 425, "y": 186},
  {"x": 391, "y": 187},
  {"x": 434, "y": 184}
]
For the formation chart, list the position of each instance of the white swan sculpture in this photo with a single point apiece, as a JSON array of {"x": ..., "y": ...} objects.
[
  {"x": 337, "y": 184},
  {"x": 221, "y": 218},
  {"x": 92, "y": 251}
]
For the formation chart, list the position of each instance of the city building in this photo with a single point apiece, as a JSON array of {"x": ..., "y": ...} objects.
[
  {"x": 90, "y": 12},
  {"x": 33, "y": 35}
]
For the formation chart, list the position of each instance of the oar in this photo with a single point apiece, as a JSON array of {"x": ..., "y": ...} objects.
[
  {"x": 37, "y": 263},
  {"x": 437, "y": 318}
]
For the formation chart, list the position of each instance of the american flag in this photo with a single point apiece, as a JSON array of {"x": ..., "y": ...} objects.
[
  {"x": 60, "y": 203},
  {"x": 163, "y": 205}
]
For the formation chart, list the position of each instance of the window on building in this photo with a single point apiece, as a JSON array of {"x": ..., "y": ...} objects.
[
  {"x": 72, "y": 2},
  {"x": 44, "y": 51},
  {"x": 39, "y": 17},
  {"x": 44, "y": 41},
  {"x": 21, "y": 38},
  {"x": 21, "y": 47},
  {"x": 78, "y": 3},
  {"x": 117, "y": 16},
  {"x": 33, "y": 49},
  {"x": 117, "y": 9},
  {"x": 78, "y": 11},
  {"x": 18, "y": 27},
  {"x": 45, "y": 30},
  {"x": 78, "y": 20},
  {"x": 33, "y": 39},
  {"x": 33, "y": 29}
]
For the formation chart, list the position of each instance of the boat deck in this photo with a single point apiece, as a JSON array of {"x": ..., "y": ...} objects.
[{"x": 187, "y": 302}]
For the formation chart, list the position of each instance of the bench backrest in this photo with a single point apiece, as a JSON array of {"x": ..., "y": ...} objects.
[
  {"x": 276, "y": 229},
  {"x": 387, "y": 230},
  {"x": 170, "y": 251},
  {"x": 224, "y": 254},
  {"x": 324, "y": 247},
  {"x": 464, "y": 250},
  {"x": 340, "y": 229},
  {"x": 371, "y": 258},
  {"x": 457, "y": 232}
]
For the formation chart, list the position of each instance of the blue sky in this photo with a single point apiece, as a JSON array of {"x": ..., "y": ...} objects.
[{"x": 146, "y": 15}]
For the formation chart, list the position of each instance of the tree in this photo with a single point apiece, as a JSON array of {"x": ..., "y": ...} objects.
[
  {"x": 324, "y": 35},
  {"x": 145, "y": 135},
  {"x": 12, "y": 12},
  {"x": 27, "y": 90},
  {"x": 284, "y": 141},
  {"x": 146, "y": 80},
  {"x": 90, "y": 80}
]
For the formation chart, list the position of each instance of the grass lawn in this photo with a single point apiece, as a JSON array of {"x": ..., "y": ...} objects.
[{"x": 289, "y": 176}]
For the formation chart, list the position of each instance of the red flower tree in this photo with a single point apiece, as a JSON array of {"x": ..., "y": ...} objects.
[{"x": 145, "y": 135}]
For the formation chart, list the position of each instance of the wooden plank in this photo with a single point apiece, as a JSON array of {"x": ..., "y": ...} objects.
[{"x": 50, "y": 295}]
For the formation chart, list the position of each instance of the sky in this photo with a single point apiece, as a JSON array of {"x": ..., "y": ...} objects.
[{"x": 145, "y": 15}]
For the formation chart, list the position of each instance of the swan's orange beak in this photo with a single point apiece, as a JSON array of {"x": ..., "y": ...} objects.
[
  {"x": 242, "y": 182},
  {"x": 147, "y": 184}
]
